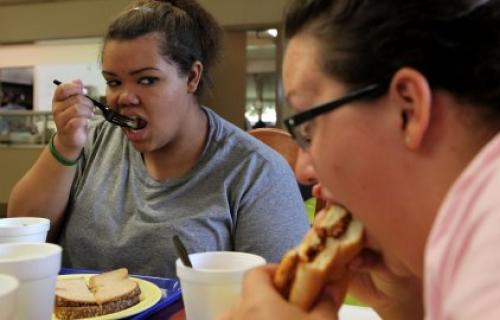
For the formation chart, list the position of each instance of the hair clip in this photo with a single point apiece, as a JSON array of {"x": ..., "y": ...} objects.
[{"x": 144, "y": 8}]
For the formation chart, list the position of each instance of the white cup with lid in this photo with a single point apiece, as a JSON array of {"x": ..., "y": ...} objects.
[
  {"x": 8, "y": 290},
  {"x": 24, "y": 229}
]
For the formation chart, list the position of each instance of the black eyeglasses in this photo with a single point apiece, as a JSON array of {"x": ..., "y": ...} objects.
[{"x": 300, "y": 125}]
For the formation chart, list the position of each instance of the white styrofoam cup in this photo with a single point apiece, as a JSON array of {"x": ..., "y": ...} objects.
[
  {"x": 214, "y": 283},
  {"x": 36, "y": 266},
  {"x": 8, "y": 291},
  {"x": 24, "y": 229}
]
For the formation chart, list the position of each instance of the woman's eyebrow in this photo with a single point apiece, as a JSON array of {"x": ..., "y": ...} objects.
[
  {"x": 108, "y": 73},
  {"x": 142, "y": 70},
  {"x": 133, "y": 72}
]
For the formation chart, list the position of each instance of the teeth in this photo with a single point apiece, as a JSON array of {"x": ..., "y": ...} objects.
[{"x": 139, "y": 123}]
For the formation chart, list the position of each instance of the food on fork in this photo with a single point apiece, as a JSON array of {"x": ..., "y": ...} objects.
[
  {"x": 327, "y": 248},
  {"x": 105, "y": 293}
]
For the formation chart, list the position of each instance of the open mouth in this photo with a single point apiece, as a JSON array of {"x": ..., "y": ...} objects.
[{"x": 140, "y": 123}]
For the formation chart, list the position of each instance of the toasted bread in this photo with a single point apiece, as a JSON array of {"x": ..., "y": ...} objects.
[
  {"x": 107, "y": 277},
  {"x": 106, "y": 293}
]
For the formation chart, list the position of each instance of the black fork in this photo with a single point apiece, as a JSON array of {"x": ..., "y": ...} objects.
[{"x": 113, "y": 116}]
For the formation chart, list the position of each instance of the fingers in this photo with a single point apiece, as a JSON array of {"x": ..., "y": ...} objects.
[
  {"x": 225, "y": 316},
  {"x": 372, "y": 262},
  {"x": 260, "y": 277},
  {"x": 259, "y": 298},
  {"x": 331, "y": 299},
  {"x": 364, "y": 268},
  {"x": 70, "y": 96},
  {"x": 379, "y": 286},
  {"x": 72, "y": 113},
  {"x": 325, "y": 309},
  {"x": 232, "y": 312},
  {"x": 65, "y": 90},
  {"x": 77, "y": 108}
]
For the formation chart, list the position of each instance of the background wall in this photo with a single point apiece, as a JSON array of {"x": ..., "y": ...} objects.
[
  {"x": 89, "y": 18},
  {"x": 227, "y": 98},
  {"x": 14, "y": 162},
  {"x": 27, "y": 45},
  {"x": 64, "y": 60}
]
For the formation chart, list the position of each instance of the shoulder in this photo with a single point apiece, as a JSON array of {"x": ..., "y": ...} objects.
[
  {"x": 462, "y": 254},
  {"x": 237, "y": 144}
]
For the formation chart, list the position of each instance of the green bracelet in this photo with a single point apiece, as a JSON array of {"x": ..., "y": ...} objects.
[{"x": 62, "y": 160}]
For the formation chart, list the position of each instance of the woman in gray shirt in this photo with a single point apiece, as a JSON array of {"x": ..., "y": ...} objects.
[{"x": 116, "y": 196}]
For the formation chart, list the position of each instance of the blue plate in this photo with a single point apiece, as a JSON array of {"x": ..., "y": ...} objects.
[{"x": 171, "y": 291}]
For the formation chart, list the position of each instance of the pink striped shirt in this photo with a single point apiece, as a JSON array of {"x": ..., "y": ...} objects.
[{"x": 462, "y": 259}]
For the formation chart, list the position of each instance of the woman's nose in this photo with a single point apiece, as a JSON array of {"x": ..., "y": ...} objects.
[
  {"x": 127, "y": 98},
  {"x": 304, "y": 169}
]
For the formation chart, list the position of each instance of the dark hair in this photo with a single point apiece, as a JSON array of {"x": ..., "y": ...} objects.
[
  {"x": 452, "y": 42},
  {"x": 188, "y": 33}
]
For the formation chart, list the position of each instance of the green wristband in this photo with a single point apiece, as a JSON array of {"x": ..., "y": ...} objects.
[{"x": 62, "y": 160}]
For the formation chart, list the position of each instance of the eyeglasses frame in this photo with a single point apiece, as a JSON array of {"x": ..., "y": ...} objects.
[{"x": 296, "y": 120}]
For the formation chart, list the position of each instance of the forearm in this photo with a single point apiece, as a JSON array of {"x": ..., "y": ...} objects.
[{"x": 43, "y": 191}]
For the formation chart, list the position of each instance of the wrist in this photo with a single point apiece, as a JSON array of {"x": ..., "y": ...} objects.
[{"x": 63, "y": 155}]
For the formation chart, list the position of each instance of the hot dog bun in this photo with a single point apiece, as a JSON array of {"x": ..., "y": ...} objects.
[{"x": 323, "y": 255}]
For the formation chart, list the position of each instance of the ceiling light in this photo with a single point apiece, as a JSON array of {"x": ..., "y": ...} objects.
[{"x": 272, "y": 32}]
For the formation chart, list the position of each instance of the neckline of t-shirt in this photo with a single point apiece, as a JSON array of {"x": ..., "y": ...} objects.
[{"x": 143, "y": 174}]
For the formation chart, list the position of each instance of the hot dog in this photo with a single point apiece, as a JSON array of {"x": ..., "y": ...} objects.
[{"x": 334, "y": 240}]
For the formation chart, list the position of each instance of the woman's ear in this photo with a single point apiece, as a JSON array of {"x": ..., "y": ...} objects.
[
  {"x": 412, "y": 95},
  {"x": 194, "y": 76}
]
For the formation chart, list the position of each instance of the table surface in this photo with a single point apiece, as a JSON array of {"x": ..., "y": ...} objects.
[{"x": 174, "y": 311}]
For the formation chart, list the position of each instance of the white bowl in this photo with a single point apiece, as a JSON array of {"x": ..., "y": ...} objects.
[
  {"x": 8, "y": 290},
  {"x": 24, "y": 229}
]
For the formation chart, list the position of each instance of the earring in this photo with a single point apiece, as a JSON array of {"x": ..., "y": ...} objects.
[{"x": 407, "y": 139}]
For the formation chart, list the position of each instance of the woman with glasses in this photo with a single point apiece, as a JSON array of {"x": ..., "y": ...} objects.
[
  {"x": 118, "y": 195},
  {"x": 398, "y": 117}
]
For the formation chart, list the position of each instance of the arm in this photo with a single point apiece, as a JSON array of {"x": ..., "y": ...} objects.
[
  {"x": 44, "y": 190},
  {"x": 272, "y": 208}
]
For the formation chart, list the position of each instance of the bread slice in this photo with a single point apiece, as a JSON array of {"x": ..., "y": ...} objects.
[
  {"x": 106, "y": 293},
  {"x": 115, "y": 291},
  {"x": 107, "y": 277},
  {"x": 112, "y": 286},
  {"x": 73, "y": 292},
  {"x": 79, "y": 312}
]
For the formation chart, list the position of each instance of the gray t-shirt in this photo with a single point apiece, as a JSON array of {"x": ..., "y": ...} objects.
[{"x": 240, "y": 195}]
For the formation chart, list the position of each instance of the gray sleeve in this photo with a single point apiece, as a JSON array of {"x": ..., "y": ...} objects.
[
  {"x": 96, "y": 128},
  {"x": 271, "y": 218}
]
